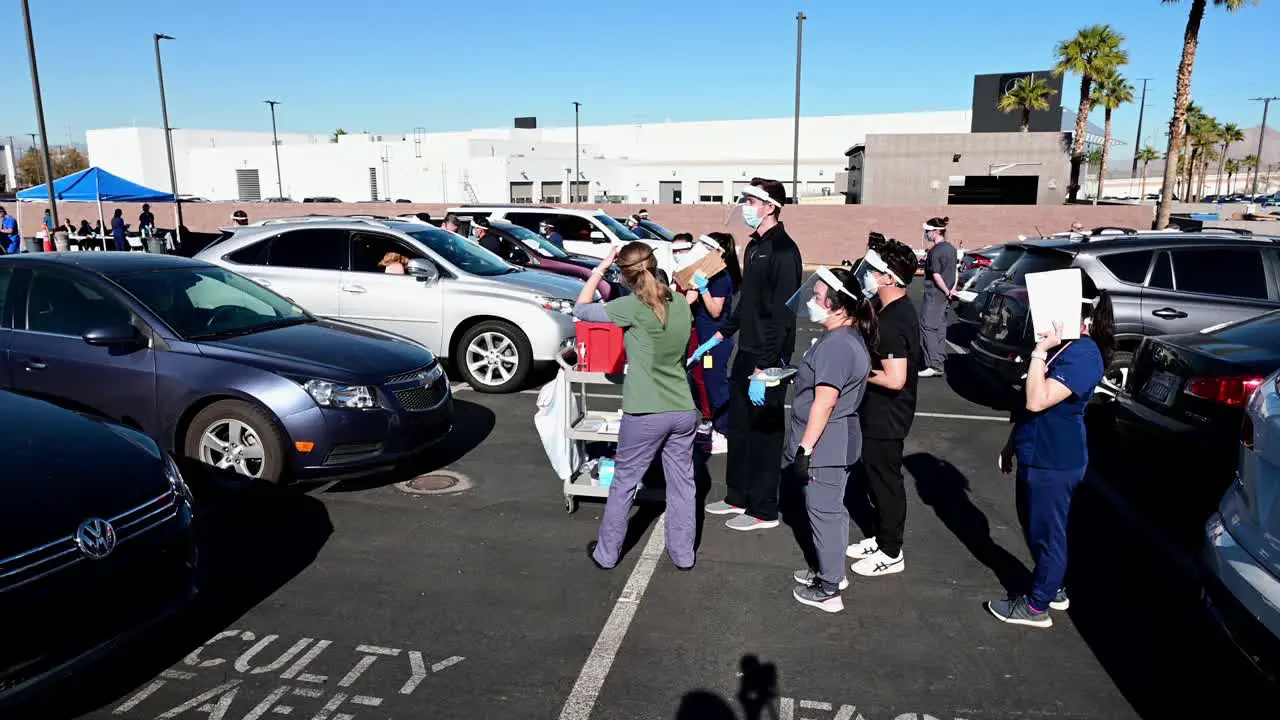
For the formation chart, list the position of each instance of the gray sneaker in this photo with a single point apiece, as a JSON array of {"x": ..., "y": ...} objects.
[
  {"x": 724, "y": 508},
  {"x": 745, "y": 522},
  {"x": 808, "y": 576},
  {"x": 815, "y": 596},
  {"x": 1061, "y": 601},
  {"x": 1015, "y": 610}
]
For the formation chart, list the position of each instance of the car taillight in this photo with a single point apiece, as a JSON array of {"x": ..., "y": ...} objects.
[
  {"x": 1229, "y": 391},
  {"x": 982, "y": 262}
]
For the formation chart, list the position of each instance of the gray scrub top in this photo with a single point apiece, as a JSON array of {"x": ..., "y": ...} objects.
[{"x": 840, "y": 359}]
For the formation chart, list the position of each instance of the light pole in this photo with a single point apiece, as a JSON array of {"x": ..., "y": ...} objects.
[
  {"x": 1262, "y": 134},
  {"x": 795, "y": 149},
  {"x": 275, "y": 143},
  {"x": 35, "y": 90},
  {"x": 168, "y": 140},
  {"x": 1137, "y": 143},
  {"x": 577, "y": 153}
]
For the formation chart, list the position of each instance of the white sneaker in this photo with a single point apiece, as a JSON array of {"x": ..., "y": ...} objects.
[
  {"x": 719, "y": 443},
  {"x": 930, "y": 372},
  {"x": 878, "y": 564},
  {"x": 859, "y": 550}
]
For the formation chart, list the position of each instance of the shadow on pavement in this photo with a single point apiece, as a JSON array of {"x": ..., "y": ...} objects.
[
  {"x": 974, "y": 383},
  {"x": 252, "y": 540},
  {"x": 472, "y": 424},
  {"x": 793, "y": 513},
  {"x": 757, "y": 694},
  {"x": 945, "y": 489}
]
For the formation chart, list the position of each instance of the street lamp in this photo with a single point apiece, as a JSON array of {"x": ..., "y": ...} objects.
[
  {"x": 275, "y": 143},
  {"x": 168, "y": 140},
  {"x": 795, "y": 150},
  {"x": 577, "y": 154},
  {"x": 35, "y": 90},
  {"x": 1262, "y": 134}
]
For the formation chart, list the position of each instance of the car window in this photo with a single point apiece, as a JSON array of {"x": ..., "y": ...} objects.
[
  {"x": 255, "y": 254},
  {"x": 572, "y": 227},
  {"x": 1230, "y": 272},
  {"x": 464, "y": 255},
  {"x": 533, "y": 240},
  {"x": 1130, "y": 267},
  {"x": 1006, "y": 258},
  {"x": 1162, "y": 273},
  {"x": 6, "y": 274},
  {"x": 368, "y": 249},
  {"x": 310, "y": 248},
  {"x": 624, "y": 234},
  {"x": 1034, "y": 262},
  {"x": 208, "y": 302},
  {"x": 63, "y": 306}
]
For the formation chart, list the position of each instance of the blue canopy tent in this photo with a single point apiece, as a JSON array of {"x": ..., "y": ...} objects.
[{"x": 94, "y": 185}]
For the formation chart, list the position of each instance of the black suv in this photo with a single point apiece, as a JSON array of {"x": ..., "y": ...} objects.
[{"x": 1160, "y": 283}]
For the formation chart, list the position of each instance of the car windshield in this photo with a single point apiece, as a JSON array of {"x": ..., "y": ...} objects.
[
  {"x": 658, "y": 230},
  {"x": 204, "y": 303},
  {"x": 618, "y": 228},
  {"x": 1006, "y": 258},
  {"x": 534, "y": 241},
  {"x": 461, "y": 253},
  {"x": 1260, "y": 331}
]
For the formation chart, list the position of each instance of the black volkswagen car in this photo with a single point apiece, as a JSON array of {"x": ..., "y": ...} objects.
[{"x": 96, "y": 542}]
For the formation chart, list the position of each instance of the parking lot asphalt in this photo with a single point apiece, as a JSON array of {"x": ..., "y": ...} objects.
[{"x": 357, "y": 600}]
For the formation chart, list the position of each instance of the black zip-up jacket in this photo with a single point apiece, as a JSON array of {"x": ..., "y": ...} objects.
[{"x": 771, "y": 274}]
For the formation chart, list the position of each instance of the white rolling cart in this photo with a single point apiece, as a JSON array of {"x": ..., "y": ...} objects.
[{"x": 587, "y": 426}]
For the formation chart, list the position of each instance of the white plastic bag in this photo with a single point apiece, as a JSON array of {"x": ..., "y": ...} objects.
[{"x": 556, "y": 407}]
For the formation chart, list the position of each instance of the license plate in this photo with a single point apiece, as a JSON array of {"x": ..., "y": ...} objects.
[{"x": 1159, "y": 388}]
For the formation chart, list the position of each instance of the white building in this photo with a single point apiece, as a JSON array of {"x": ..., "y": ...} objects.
[{"x": 685, "y": 162}]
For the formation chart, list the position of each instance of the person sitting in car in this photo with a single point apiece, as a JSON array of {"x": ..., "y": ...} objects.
[{"x": 394, "y": 264}]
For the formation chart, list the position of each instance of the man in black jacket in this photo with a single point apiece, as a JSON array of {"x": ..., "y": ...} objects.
[{"x": 766, "y": 331}]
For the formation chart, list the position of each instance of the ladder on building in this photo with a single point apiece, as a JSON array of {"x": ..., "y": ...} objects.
[{"x": 471, "y": 191}]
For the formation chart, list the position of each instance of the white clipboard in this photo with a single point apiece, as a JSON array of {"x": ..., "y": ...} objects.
[{"x": 1055, "y": 296}]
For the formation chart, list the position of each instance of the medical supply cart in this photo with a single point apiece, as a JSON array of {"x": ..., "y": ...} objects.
[{"x": 587, "y": 426}]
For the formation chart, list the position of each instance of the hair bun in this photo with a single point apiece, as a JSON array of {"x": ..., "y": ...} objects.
[{"x": 946, "y": 220}]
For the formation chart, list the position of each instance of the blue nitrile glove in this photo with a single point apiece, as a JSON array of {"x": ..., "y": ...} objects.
[
  {"x": 700, "y": 281},
  {"x": 705, "y": 348},
  {"x": 755, "y": 391}
]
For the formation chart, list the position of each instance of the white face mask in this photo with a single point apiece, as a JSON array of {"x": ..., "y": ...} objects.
[
  {"x": 751, "y": 216},
  {"x": 817, "y": 313},
  {"x": 870, "y": 286}
]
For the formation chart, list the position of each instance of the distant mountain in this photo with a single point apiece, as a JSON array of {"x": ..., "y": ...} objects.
[{"x": 1270, "y": 155}]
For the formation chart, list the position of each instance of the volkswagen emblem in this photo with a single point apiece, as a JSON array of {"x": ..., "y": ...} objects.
[{"x": 96, "y": 538}]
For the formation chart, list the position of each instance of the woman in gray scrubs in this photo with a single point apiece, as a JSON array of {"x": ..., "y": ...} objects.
[{"x": 826, "y": 438}]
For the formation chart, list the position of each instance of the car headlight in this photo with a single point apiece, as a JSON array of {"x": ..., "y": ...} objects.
[
  {"x": 174, "y": 475},
  {"x": 335, "y": 395},
  {"x": 555, "y": 304}
]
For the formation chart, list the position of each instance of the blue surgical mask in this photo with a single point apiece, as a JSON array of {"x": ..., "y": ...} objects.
[{"x": 751, "y": 216}]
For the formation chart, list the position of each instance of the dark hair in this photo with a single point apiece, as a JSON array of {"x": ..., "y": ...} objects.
[
  {"x": 855, "y": 306},
  {"x": 451, "y": 218},
  {"x": 773, "y": 189},
  {"x": 1102, "y": 326},
  {"x": 639, "y": 267},
  {"x": 940, "y": 223},
  {"x": 729, "y": 249},
  {"x": 686, "y": 237},
  {"x": 900, "y": 258},
  {"x": 118, "y": 213}
]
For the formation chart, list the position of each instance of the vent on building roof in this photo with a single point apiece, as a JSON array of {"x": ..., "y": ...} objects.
[{"x": 247, "y": 186}]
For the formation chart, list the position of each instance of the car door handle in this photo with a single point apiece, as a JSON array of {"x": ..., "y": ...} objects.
[
  {"x": 353, "y": 289},
  {"x": 1169, "y": 314},
  {"x": 33, "y": 364},
  {"x": 262, "y": 281}
]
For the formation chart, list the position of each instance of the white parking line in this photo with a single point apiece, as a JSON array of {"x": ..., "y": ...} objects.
[
  {"x": 458, "y": 386},
  {"x": 585, "y": 691},
  {"x": 951, "y": 416}
]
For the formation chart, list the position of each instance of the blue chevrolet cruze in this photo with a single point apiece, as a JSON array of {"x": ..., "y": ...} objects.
[{"x": 215, "y": 367}]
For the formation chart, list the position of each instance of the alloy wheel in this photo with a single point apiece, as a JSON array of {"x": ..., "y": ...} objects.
[
  {"x": 233, "y": 445},
  {"x": 492, "y": 358}
]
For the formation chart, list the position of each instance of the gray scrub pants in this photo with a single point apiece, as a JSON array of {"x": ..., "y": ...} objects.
[
  {"x": 828, "y": 521},
  {"x": 933, "y": 329},
  {"x": 640, "y": 439}
]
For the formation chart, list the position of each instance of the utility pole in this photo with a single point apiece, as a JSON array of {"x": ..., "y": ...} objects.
[
  {"x": 275, "y": 143},
  {"x": 168, "y": 140},
  {"x": 1262, "y": 134},
  {"x": 577, "y": 153},
  {"x": 1137, "y": 143},
  {"x": 795, "y": 149},
  {"x": 35, "y": 90}
]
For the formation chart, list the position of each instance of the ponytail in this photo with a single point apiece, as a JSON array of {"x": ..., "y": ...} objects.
[
  {"x": 639, "y": 271},
  {"x": 864, "y": 318},
  {"x": 1102, "y": 326}
]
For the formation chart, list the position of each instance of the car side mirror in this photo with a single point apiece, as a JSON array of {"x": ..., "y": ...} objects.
[
  {"x": 113, "y": 335},
  {"x": 597, "y": 235},
  {"x": 424, "y": 270}
]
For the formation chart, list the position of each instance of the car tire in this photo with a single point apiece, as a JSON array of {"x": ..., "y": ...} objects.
[
  {"x": 504, "y": 344},
  {"x": 245, "y": 425},
  {"x": 1117, "y": 371}
]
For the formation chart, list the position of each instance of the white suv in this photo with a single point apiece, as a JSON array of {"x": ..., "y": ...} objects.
[{"x": 584, "y": 232}]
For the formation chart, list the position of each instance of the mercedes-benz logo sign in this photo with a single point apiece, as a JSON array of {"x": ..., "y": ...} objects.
[{"x": 96, "y": 538}]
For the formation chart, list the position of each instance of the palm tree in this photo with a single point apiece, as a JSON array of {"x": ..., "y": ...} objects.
[
  {"x": 338, "y": 133},
  {"x": 1231, "y": 167},
  {"x": 1026, "y": 95},
  {"x": 1145, "y": 156},
  {"x": 1194, "y": 117},
  {"x": 1110, "y": 92},
  {"x": 1094, "y": 159},
  {"x": 1203, "y": 136},
  {"x": 1249, "y": 164},
  {"x": 1182, "y": 96},
  {"x": 1093, "y": 53},
  {"x": 1231, "y": 133}
]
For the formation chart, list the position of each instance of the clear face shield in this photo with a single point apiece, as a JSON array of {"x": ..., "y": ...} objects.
[
  {"x": 868, "y": 273},
  {"x": 812, "y": 301},
  {"x": 750, "y": 208}
]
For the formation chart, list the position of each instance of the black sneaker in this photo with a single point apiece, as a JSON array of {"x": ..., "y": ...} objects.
[
  {"x": 1017, "y": 611},
  {"x": 815, "y": 596}
]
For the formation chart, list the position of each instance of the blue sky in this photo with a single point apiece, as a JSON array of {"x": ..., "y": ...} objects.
[{"x": 393, "y": 65}]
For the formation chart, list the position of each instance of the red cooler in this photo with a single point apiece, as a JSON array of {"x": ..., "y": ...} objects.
[{"x": 600, "y": 348}]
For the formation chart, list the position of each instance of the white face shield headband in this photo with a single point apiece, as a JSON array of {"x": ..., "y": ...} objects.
[
  {"x": 810, "y": 301},
  {"x": 750, "y": 215},
  {"x": 865, "y": 274}
]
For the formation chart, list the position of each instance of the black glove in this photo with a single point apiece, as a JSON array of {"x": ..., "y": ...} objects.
[{"x": 800, "y": 465}]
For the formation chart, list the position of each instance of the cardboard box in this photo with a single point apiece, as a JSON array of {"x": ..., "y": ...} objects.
[{"x": 711, "y": 264}]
